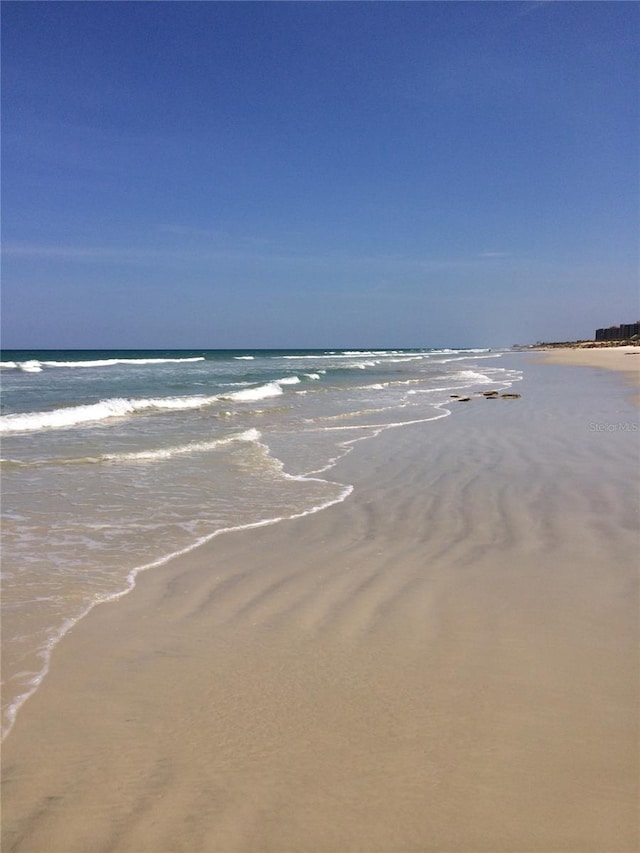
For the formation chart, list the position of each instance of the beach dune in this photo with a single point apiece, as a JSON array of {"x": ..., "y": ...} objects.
[{"x": 447, "y": 661}]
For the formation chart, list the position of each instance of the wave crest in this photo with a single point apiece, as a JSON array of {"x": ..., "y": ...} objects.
[
  {"x": 116, "y": 407},
  {"x": 35, "y": 366}
]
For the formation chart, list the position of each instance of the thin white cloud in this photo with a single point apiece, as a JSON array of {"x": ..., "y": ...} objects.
[
  {"x": 531, "y": 6},
  {"x": 192, "y": 232},
  {"x": 34, "y": 250},
  {"x": 245, "y": 250}
]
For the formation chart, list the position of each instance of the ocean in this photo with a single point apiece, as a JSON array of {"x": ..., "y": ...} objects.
[{"x": 115, "y": 461}]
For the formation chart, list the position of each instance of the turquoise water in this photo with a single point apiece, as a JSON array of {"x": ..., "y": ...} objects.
[{"x": 113, "y": 461}]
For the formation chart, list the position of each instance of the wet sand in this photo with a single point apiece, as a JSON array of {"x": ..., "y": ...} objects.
[
  {"x": 612, "y": 358},
  {"x": 624, "y": 360},
  {"x": 447, "y": 661}
]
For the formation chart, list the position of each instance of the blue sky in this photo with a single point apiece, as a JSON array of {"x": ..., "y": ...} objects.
[{"x": 270, "y": 174}]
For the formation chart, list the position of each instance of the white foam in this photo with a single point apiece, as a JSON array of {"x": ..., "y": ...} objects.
[
  {"x": 261, "y": 392},
  {"x": 94, "y": 412},
  {"x": 176, "y": 403},
  {"x": 317, "y": 356},
  {"x": 130, "y": 583},
  {"x": 345, "y": 354},
  {"x": 161, "y": 360},
  {"x": 405, "y": 358},
  {"x": 488, "y": 354},
  {"x": 35, "y": 366},
  {"x": 101, "y": 362},
  {"x": 244, "y": 357},
  {"x": 180, "y": 450},
  {"x": 471, "y": 376},
  {"x": 363, "y": 352},
  {"x": 378, "y": 428}
]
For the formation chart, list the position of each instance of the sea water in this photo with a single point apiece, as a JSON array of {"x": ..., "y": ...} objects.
[{"x": 114, "y": 461}]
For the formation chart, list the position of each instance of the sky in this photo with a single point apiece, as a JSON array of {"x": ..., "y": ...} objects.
[{"x": 318, "y": 174}]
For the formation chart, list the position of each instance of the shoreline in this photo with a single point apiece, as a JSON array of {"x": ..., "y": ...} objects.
[
  {"x": 131, "y": 581},
  {"x": 427, "y": 665},
  {"x": 620, "y": 358},
  {"x": 625, "y": 360}
]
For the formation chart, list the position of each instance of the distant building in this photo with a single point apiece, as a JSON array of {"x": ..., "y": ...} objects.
[{"x": 618, "y": 333}]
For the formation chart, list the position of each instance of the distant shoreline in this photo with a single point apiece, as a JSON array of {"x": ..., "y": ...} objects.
[
  {"x": 575, "y": 345},
  {"x": 607, "y": 357}
]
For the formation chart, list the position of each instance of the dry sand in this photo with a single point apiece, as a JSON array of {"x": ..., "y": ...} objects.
[
  {"x": 448, "y": 661},
  {"x": 624, "y": 359}
]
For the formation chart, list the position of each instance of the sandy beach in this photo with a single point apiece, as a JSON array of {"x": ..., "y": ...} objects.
[
  {"x": 447, "y": 661},
  {"x": 623, "y": 359}
]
